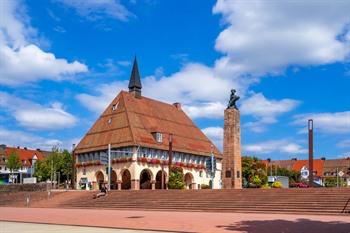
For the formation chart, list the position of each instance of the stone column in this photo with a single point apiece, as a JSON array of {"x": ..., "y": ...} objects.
[
  {"x": 135, "y": 184},
  {"x": 119, "y": 182},
  {"x": 153, "y": 184},
  {"x": 194, "y": 186},
  {"x": 231, "y": 162}
]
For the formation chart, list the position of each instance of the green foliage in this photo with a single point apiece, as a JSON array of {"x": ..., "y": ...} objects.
[
  {"x": 176, "y": 178},
  {"x": 205, "y": 186},
  {"x": 277, "y": 184},
  {"x": 13, "y": 162},
  {"x": 265, "y": 186},
  {"x": 330, "y": 182},
  {"x": 57, "y": 161},
  {"x": 256, "y": 181},
  {"x": 253, "y": 171}
]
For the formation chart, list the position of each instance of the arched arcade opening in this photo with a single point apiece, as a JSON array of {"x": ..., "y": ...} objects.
[{"x": 145, "y": 179}]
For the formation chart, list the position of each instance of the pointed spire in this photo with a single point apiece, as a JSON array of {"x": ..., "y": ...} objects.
[{"x": 135, "y": 80}]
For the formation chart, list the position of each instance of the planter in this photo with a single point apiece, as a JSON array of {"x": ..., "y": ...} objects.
[{"x": 155, "y": 161}]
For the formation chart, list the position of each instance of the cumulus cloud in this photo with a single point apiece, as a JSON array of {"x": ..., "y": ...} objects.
[
  {"x": 35, "y": 116},
  {"x": 334, "y": 123},
  {"x": 275, "y": 146},
  {"x": 24, "y": 139},
  {"x": 258, "y": 38},
  {"x": 264, "y": 110},
  {"x": 99, "y": 9},
  {"x": 264, "y": 37},
  {"x": 216, "y": 135},
  {"x": 99, "y": 101},
  {"x": 21, "y": 60}
]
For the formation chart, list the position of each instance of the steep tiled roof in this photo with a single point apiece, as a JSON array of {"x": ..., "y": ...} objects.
[
  {"x": 133, "y": 121},
  {"x": 24, "y": 154}
]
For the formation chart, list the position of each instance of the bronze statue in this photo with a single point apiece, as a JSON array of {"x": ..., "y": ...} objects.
[{"x": 233, "y": 99}]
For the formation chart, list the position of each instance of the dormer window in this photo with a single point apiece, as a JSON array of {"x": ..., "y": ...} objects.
[
  {"x": 115, "y": 106},
  {"x": 158, "y": 136}
]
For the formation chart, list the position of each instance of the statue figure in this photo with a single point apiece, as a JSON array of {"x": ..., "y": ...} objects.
[{"x": 233, "y": 99}]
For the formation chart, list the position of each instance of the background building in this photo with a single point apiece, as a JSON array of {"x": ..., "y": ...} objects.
[
  {"x": 323, "y": 168},
  {"x": 27, "y": 158}
]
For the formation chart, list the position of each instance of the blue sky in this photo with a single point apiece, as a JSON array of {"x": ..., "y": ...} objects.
[{"x": 63, "y": 61}]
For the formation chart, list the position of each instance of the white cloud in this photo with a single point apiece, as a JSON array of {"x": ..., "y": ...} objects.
[
  {"x": 205, "y": 110},
  {"x": 196, "y": 86},
  {"x": 275, "y": 146},
  {"x": 21, "y": 60},
  {"x": 35, "y": 116},
  {"x": 23, "y": 139},
  {"x": 268, "y": 36},
  {"x": 259, "y": 38},
  {"x": 98, "y": 9},
  {"x": 334, "y": 123},
  {"x": 216, "y": 135},
  {"x": 106, "y": 93},
  {"x": 264, "y": 110}
]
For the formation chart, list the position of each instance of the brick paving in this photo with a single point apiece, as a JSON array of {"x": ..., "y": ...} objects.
[{"x": 181, "y": 221}]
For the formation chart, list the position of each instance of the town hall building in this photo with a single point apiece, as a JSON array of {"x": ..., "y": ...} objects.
[{"x": 139, "y": 130}]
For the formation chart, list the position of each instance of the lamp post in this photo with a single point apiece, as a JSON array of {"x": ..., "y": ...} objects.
[{"x": 311, "y": 152}]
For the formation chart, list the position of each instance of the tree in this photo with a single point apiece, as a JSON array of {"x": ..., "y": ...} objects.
[
  {"x": 13, "y": 162},
  {"x": 57, "y": 162},
  {"x": 253, "y": 168},
  {"x": 66, "y": 165},
  {"x": 176, "y": 178}
]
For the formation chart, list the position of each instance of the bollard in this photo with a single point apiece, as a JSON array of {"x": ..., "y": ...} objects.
[
  {"x": 48, "y": 194},
  {"x": 27, "y": 201}
]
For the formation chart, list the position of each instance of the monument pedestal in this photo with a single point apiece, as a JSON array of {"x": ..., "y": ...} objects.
[{"x": 231, "y": 162}]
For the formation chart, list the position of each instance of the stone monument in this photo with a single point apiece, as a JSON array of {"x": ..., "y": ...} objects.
[{"x": 231, "y": 163}]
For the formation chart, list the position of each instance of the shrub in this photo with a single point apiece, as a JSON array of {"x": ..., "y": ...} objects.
[
  {"x": 277, "y": 184},
  {"x": 205, "y": 186},
  {"x": 256, "y": 182},
  {"x": 265, "y": 186},
  {"x": 176, "y": 178}
]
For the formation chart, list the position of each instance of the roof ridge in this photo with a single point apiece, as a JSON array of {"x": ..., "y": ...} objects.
[{"x": 127, "y": 117}]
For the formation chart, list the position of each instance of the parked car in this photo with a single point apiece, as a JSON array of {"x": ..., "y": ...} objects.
[{"x": 298, "y": 185}]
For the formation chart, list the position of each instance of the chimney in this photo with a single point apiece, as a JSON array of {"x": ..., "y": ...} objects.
[{"x": 177, "y": 105}]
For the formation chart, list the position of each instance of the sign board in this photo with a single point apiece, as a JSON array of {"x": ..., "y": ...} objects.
[
  {"x": 210, "y": 164},
  {"x": 30, "y": 180},
  {"x": 341, "y": 173},
  {"x": 270, "y": 179},
  {"x": 304, "y": 173}
]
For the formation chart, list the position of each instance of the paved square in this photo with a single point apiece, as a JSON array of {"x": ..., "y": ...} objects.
[
  {"x": 11, "y": 227},
  {"x": 181, "y": 221}
]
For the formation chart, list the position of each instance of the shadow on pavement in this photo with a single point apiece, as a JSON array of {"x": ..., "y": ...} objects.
[{"x": 284, "y": 226}]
